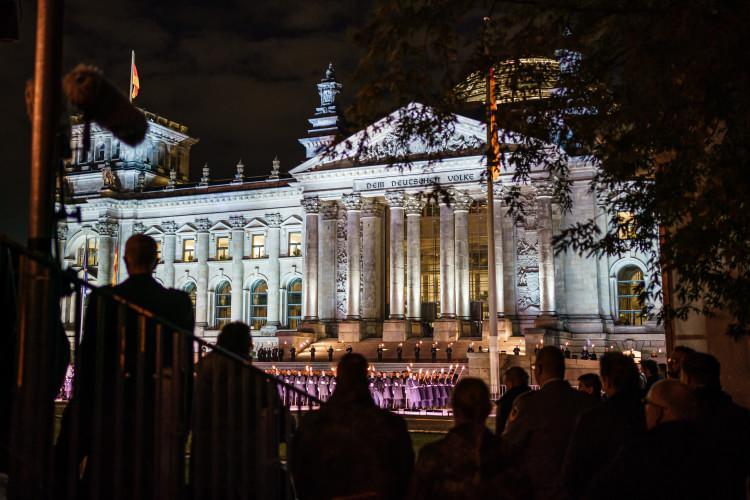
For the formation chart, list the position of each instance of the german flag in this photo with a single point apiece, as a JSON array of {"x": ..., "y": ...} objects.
[{"x": 135, "y": 83}]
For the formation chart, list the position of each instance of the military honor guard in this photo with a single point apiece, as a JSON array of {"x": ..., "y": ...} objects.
[
  {"x": 399, "y": 352},
  {"x": 449, "y": 352},
  {"x": 330, "y": 353},
  {"x": 417, "y": 349},
  {"x": 312, "y": 353},
  {"x": 293, "y": 353}
]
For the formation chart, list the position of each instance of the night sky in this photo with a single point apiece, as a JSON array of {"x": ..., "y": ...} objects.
[{"x": 240, "y": 74}]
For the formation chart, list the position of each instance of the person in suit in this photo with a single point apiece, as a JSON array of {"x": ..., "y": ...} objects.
[
  {"x": 603, "y": 431},
  {"x": 369, "y": 448},
  {"x": 323, "y": 387},
  {"x": 218, "y": 417},
  {"x": 457, "y": 465},
  {"x": 671, "y": 445},
  {"x": 725, "y": 424},
  {"x": 517, "y": 382},
  {"x": 141, "y": 399},
  {"x": 541, "y": 422}
]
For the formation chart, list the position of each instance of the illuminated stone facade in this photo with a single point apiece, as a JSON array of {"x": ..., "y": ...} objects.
[{"x": 347, "y": 249}]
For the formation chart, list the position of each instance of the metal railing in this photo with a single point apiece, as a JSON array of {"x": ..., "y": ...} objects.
[{"x": 155, "y": 412}]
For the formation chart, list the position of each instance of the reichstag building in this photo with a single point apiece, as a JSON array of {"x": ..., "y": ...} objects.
[{"x": 348, "y": 250}]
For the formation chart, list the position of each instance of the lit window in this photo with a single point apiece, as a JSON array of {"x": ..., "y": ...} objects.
[
  {"x": 258, "y": 305},
  {"x": 87, "y": 254},
  {"x": 223, "y": 307},
  {"x": 191, "y": 290},
  {"x": 188, "y": 250},
  {"x": 626, "y": 226},
  {"x": 294, "y": 303},
  {"x": 295, "y": 244},
  {"x": 630, "y": 284},
  {"x": 158, "y": 251},
  {"x": 259, "y": 246},
  {"x": 116, "y": 150},
  {"x": 222, "y": 248}
]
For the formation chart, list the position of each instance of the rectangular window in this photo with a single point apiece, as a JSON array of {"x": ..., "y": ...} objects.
[
  {"x": 87, "y": 254},
  {"x": 222, "y": 248},
  {"x": 158, "y": 251},
  {"x": 295, "y": 244},
  {"x": 116, "y": 150},
  {"x": 258, "y": 246},
  {"x": 188, "y": 250}
]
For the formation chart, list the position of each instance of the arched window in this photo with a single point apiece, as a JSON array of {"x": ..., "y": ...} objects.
[
  {"x": 191, "y": 290},
  {"x": 258, "y": 305},
  {"x": 630, "y": 283},
  {"x": 223, "y": 307},
  {"x": 294, "y": 303}
]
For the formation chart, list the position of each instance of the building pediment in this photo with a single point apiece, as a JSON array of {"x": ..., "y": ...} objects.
[
  {"x": 221, "y": 226},
  {"x": 292, "y": 220},
  {"x": 187, "y": 228},
  {"x": 256, "y": 222},
  {"x": 384, "y": 142}
]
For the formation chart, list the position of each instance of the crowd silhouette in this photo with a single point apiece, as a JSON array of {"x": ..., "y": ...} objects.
[{"x": 626, "y": 433}]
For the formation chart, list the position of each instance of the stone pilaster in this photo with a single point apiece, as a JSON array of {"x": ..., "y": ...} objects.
[
  {"x": 372, "y": 259},
  {"x": 353, "y": 204},
  {"x": 105, "y": 256},
  {"x": 238, "y": 273},
  {"x": 327, "y": 260},
  {"x": 447, "y": 263},
  {"x": 547, "y": 307},
  {"x": 414, "y": 207},
  {"x": 273, "y": 244},
  {"x": 201, "y": 254},
  {"x": 310, "y": 283},
  {"x": 461, "y": 203},
  {"x": 62, "y": 238},
  {"x": 168, "y": 251}
]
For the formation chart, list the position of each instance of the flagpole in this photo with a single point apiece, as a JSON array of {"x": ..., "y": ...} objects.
[
  {"x": 492, "y": 167},
  {"x": 132, "y": 64}
]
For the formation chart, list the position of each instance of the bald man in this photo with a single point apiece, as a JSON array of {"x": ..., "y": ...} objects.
[
  {"x": 103, "y": 320},
  {"x": 671, "y": 460},
  {"x": 541, "y": 422}
]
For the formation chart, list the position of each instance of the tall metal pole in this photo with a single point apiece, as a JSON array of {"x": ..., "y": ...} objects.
[
  {"x": 493, "y": 155},
  {"x": 33, "y": 407}
]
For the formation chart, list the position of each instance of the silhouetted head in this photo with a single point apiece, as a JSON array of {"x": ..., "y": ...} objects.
[
  {"x": 515, "y": 376},
  {"x": 550, "y": 364},
  {"x": 471, "y": 401},
  {"x": 674, "y": 363},
  {"x": 701, "y": 370},
  {"x": 352, "y": 374},
  {"x": 619, "y": 373},
  {"x": 235, "y": 337},
  {"x": 649, "y": 368},
  {"x": 669, "y": 401},
  {"x": 591, "y": 384},
  {"x": 140, "y": 254}
]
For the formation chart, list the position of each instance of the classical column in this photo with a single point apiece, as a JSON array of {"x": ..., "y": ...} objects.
[
  {"x": 447, "y": 263},
  {"x": 544, "y": 192},
  {"x": 310, "y": 284},
  {"x": 105, "y": 256},
  {"x": 238, "y": 275},
  {"x": 273, "y": 242},
  {"x": 414, "y": 207},
  {"x": 62, "y": 237},
  {"x": 327, "y": 260},
  {"x": 353, "y": 204},
  {"x": 168, "y": 251},
  {"x": 372, "y": 259},
  {"x": 396, "y": 236},
  {"x": 201, "y": 254},
  {"x": 461, "y": 203}
]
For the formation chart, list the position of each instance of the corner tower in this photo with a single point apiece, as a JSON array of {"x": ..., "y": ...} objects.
[{"x": 325, "y": 123}]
